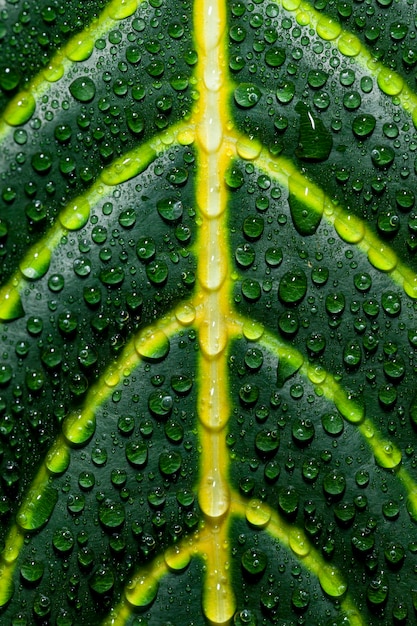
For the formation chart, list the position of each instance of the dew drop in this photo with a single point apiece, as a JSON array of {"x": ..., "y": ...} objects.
[
  {"x": 389, "y": 82},
  {"x": 254, "y": 563},
  {"x": 36, "y": 262},
  {"x": 247, "y": 95},
  {"x": 328, "y": 28},
  {"x": 58, "y": 458},
  {"x": 78, "y": 428},
  {"x": 349, "y": 45},
  {"x": 306, "y": 204},
  {"x": 75, "y": 215},
  {"x": 382, "y": 258},
  {"x": 20, "y": 109},
  {"x": 142, "y": 591},
  {"x": 292, "y": 286},
  {"x": 122, "y": 9},
  {"x": 83, "y": 89},
  {"x": 387, "y": 455},
  {"x": 331, "y": 581},
  {"x": 79, "y": 48},
  {"x": 298, "y": 542},
  {"x": 152, "y": 345},
  {"x": 37, "y": 508},
  {"x": 257, "y": 514}
]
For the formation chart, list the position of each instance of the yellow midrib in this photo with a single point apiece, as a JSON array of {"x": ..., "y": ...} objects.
[{"x": 212, "y": 300}]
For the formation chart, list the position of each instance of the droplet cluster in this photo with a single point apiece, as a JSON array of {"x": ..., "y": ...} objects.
[{"x": 207, "y": 305}]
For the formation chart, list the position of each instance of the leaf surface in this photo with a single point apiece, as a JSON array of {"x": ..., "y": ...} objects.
[{"x": 207, "y": 375}]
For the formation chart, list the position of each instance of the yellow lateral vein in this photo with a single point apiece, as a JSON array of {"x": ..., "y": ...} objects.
[
  {"x": 75, "y": 215},
  {"x": 387, "y": 455},
  {"x": 259, "y": 515},
  {"x": 350, "y": 228}
]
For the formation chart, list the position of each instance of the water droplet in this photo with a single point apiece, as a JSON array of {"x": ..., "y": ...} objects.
[
  {"x": 387, "y": 455},
  {"x": 334, "y": 484},
  {"x": 275, "y": 56},
  {"x": 382, "y": 156},
  {"x": 177, "y": 559},
  {"x": 332, "y": 424},
  {"x": 58, "y": 458},
  {"x": 293, "y": 286},
  {"x": 37, "y": 508},
  {"x": 245, "y": 255},
  {"x": 251, "y": 290},
  {"x": 36, "y": 263},
  {"x": 306, "y": 204},
  {"x": 146, "y": 249},
  {"x": 331, "y": 581},
  {"x": 32, "y": 571},
  {"x": 315, "y": 141},
  {"x": 152, "y": 346},
  {"x": 363, "y": 125},
  {"x": 170, "y": 209},
  {"x": 75, "y": 215},
  {"x": 352, "y": 354},
  {"x": 247, "y": 95},
  {"x": 302, "y": 431},
  {"x": 328, "y": 28},
  {"x": 112, "y": 276},
  {"x": 142, "y": 591},
  {"x": 111, "y": 514},
  {"x": 42, "y": 162},
  {"x": 160, "y": 403},
  {"x": 137, "y": 453},
  {"x": 267, "y": 443},
  {"x": 20, "y": 109},
  {"x": 288, "y": 500},
  {"x": 78, "y": 428},
  {"x": 300, "y": 600},
  {"x": 390, "y": 82},
  {"x": 170, "y": 463},
  {"x": 377, "y": 591},
  {"x": 254, "y": 562},
  {"x": 122, "y": 9},
  {"x": 102, "y": 580},
  {"x": 234, "y": 177},
  {"x": 349, "y": 45},
  {"x": 344, "y": 513},
  {"x": 252, "y": 330},
  {"x": 83, "y": 89},
  {"x": 382, "y": 258},
  {"x": 350, "y": 228},
  {"x": 257, "y": 514},
  {"x": 157, "y": 272}
]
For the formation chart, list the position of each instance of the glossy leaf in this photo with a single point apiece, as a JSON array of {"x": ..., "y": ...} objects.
[{"x": 207, "y": 304}]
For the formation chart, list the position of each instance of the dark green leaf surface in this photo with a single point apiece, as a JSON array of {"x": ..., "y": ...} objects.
[{"x": 208, "y": 362}]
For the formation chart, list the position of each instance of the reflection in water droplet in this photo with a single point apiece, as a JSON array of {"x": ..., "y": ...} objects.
[
  {"x": 37, "y": 507},
  {"x": 152, "y": 346},
  {"x": 350, "y": 228},
  {"x": 20, "y": 109},
  {"x": 299, "y": 543},
  {"x": 331, "y": 581},
  {"x": 142, "y": 591},
  {"x": 306, "y": 204},
  {"x": 78, "y": 428}
]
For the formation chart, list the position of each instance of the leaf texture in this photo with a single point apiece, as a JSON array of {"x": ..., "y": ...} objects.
[{"x": 208, "y": 318}]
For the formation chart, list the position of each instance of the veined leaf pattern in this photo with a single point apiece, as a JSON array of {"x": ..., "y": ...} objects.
[{"x": 207, "y": 407}]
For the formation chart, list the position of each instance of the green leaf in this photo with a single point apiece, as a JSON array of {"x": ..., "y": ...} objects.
[{"x": 208, "y": 313}]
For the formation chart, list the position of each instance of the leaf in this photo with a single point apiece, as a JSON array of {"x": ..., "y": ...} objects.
[{"x": 208, "y": 286}]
